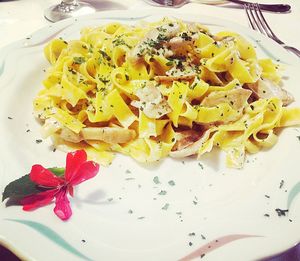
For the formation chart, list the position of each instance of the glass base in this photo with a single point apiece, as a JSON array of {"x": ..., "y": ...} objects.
[{"x": 63, "y": 10}]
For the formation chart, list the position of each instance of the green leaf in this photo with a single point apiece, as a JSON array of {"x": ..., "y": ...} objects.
[
  {"x": 20, "y": 188},
  {"x": 59, "y": 172},
  {"x": 23, "y": 187}
]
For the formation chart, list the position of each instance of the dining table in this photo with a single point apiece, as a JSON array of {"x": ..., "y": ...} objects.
[{"x": 19, "y": 19}]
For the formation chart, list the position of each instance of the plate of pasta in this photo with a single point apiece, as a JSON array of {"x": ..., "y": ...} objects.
[{"x": 193, "y": 120}]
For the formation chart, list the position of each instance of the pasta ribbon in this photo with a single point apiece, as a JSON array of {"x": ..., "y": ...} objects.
[{"x": 161, "y": 88}]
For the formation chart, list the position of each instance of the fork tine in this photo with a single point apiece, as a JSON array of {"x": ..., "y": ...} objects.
[
  {"x": 254, "y": 18},
  {"x": 247, "y": 10},
  {"x": 259, "y": 23},
  {"x": 264, "y": 23}
]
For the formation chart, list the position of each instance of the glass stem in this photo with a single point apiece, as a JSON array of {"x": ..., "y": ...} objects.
[{"x": 69, "y": 2}]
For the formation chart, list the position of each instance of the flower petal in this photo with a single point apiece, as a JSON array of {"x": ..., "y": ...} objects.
[
  {"x": 71, "y": 190},
  {"x": 86, "y": 171},
  {"x": 44, "y": 177},
  {"x": 74, "y": 160},
  {"x": 35, "y": 201},
  {"x": 62, "y": 205}
]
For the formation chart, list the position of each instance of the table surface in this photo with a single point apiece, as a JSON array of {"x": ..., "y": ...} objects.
[{"x": 20, "y": 18}]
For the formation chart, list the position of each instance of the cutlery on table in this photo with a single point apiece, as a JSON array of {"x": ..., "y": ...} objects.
[
  {"x": 259, "y": 23},
  {"x": 277, "y": 8}
]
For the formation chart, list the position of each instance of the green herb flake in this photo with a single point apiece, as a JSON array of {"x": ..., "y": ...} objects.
[
  {"x": 162, "y": 192},
  {"x": 128, "y": 171},
  {"x": 171, "y": 183},
  {"x": 166, "y": 206},
  {"x": 78, "y": 60},
  {"x": 130, "y": 211},
  {"x": 200, "y": 165},
  {"x": 192, "y": 234},
  {"x": 105, "y": 55},
  {"x": 156, "y": 180}
]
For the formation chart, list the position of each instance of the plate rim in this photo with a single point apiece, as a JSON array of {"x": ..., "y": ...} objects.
[{"x": 103, "y": 15}]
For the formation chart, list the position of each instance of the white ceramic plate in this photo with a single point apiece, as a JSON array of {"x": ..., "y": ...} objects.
[{"x": 212, "y": 210}]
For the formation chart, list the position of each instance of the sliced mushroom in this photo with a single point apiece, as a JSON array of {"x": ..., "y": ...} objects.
[
  {"x": 181, "y": 41},
  {"x": 106, "y": 134},
  {"x": 236, "y": 97},
  {"x": 189, "y": 145},
  {"x": 68, "y": 135},
  {"x": 151, "y": 102},
  {"x": 153, "y": 38},
  {"x": 265, "y": 89}
]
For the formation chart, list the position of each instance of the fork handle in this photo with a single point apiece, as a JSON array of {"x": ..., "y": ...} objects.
[
  {"x": 292, "y": 49},
  {"x": 277, "y": 8}
]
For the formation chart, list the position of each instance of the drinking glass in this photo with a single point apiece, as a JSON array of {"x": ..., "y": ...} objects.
[{"x": 68, "y": 8}]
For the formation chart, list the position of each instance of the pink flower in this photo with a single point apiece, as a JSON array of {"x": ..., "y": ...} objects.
[{"x": 78, "y": 169}]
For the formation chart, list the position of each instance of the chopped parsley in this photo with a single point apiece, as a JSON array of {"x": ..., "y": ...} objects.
[
  {"x": 119, "y": 41},
  {"x": 156, "y": 180},
  {"x": 162, "y": 192},
  {"x": 281, "y": 212},
  {"x": 166, "y": 206},
  {"x": 281, "y": 184},
  {"x": 105, "y": 55},
  {"x": 78, "y": 60},
  {"x": 171, "y": 183},
  {"x": 186, "y": 37}
]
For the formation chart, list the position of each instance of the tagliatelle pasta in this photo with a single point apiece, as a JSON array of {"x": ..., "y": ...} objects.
[{"x": 162, "y": 88}]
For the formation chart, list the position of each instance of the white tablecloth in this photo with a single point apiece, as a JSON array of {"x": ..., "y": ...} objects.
[{"x": 19, "y": 19}]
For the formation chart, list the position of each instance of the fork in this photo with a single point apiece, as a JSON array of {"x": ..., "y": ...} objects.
[
  {"x": 276, "y": 8},
  {"x": 259, "y": 23}
]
